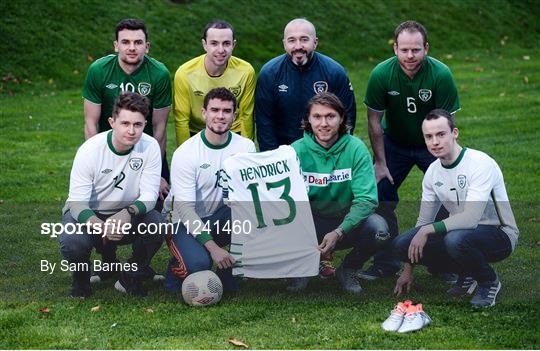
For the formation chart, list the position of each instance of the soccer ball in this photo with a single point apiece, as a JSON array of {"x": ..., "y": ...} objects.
[{"x": 202, "y": 289}]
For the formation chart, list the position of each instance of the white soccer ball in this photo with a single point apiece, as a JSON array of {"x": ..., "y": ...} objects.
[{"x": 202, "y": 289}]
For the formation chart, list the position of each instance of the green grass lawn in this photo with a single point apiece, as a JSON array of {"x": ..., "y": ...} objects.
[
  {"x": 40, "y": 132},
  {"x": 492, "y": 48}
]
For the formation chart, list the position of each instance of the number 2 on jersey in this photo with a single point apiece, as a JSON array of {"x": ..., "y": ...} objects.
[
  {"x": 285, "y": 195},
  {"x": 119, "y": 179}
]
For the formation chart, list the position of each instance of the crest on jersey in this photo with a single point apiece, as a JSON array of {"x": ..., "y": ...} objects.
[
  {"x": 424, "y": 94},
  {"x": 135, "y": 163},
  {"x": 320, "y": 87},
  {"x": 144, "y": 88},
  {"x": 461, "y": 180},
  {"x": 236, "y": 90}
]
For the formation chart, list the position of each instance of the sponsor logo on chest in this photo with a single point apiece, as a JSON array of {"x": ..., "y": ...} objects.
[
  {"x": 325, "y": 179},
  {"x": 283, "y": 88}
]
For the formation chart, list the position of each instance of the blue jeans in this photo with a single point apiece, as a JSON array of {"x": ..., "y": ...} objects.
[
  {"x": 76, "y": 248},
  {"x": 370, "y": 236},
  {"x": 466, "y": 252},
  {"x": 399, "y": 160},
  {"x": 189, "y": 256}
]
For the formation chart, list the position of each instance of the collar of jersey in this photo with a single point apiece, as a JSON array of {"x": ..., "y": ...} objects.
[
  {"x": 422, "y": 68},
  {"x": 457, "y": 161},
  {"x": 132, "y": 73},
  {"x": 306, "y": 67},
  {"x": 212, "y": 146},
  {"x": 111, "y": 146}
]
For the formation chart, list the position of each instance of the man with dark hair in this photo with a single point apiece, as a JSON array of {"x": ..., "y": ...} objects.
[
  {"x": 216, "y": 68},
  {"x": 287, "y": 82},
  {"x": 196, "y": 199},
  {"x": 129, "y": 70},
  {"x": 481, "y": 227},
  {"x": 403, "y": 89},
  {"x": 342, "y": 189},
  {"x": 114, "y": 186}
]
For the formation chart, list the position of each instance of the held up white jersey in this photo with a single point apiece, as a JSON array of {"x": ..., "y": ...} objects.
[
  {"x": 472, "y": 190},
  {"x": 273, "y": 235},
  {"x": 197, "y": 176},
  {"x": 105, "y": 180}
]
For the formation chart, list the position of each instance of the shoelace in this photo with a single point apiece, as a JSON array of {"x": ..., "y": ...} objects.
[
  {"x": 467, "y": 282},
  {"x": 325, "y": 264}
]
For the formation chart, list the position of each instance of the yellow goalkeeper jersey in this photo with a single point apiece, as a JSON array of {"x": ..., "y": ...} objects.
[{"x": 192, "y": 83}]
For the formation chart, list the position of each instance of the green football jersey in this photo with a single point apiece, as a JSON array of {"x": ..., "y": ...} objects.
[
  {"x": 407, "y": 101},
  {"x": 106, "y": 80}
]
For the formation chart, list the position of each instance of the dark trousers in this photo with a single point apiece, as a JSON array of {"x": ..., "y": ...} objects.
[
  {"x": 399, "y": 160},
  {"x": 77, "y": 247},
  {"x": 466, "y": 252},
  {"x": 370, "y": 236},
  {"x": 189, "y": 256}
]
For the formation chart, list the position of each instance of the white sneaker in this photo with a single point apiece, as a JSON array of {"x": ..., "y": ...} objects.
[
  {"x": 394, "y": 321},
  {"x": 415, "y": 319}
]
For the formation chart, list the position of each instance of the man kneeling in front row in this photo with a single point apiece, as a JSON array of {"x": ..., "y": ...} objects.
[
  {"x": 342, "y": 190},
  {"x": 114, "y": 186},
  {"x": 481, "y": 227}
]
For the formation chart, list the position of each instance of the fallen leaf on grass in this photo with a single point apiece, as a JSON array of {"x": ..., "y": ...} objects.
[
  {"x": 526, "y": 58},
  {"x": 526, "y": 80},
  {"x": 148, "y": 310},
  {"x": 114, "y": 325},
  {"x": 237, "y": 342},
  {"x": 293, "y": 320},
  {"x": 479, "y": 69},
  {"x": 1, "y": 202},
  {"x": 95, "y": 309},
  {"x": 44, "y": 310},
  {"x": 502, "y": 94}
]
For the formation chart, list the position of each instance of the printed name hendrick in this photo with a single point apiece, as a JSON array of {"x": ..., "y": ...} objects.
[{"x": 97, "y": 266}]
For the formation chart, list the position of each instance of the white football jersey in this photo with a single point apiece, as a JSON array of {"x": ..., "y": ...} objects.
[
  {"x": 197, "y": 177},
  {"x": 106, "y": 181},
  {"x": 273, "y": 235},
  {"x": 472, "y": 190}
]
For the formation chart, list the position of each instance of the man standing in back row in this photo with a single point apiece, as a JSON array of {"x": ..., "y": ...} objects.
[
  {"x": 216, "y": 68},
  {"x": 404, "y": 89},
  {"x": 287, "y": 82}
]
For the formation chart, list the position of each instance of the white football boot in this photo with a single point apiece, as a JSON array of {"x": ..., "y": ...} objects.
[{"x": 394, "y": 321}]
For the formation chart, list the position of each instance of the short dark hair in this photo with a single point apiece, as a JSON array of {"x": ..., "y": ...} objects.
[
  {"x": 131, "y": 24},
  {"x": 222, "y": 94},
  {"x": 218, "y": 24},
  {"x": 411, "y": 27},
  {"x": 132, "y": 102},
  {"x": 440, "y": 113},
  {"x": 332, "y": 101}
]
